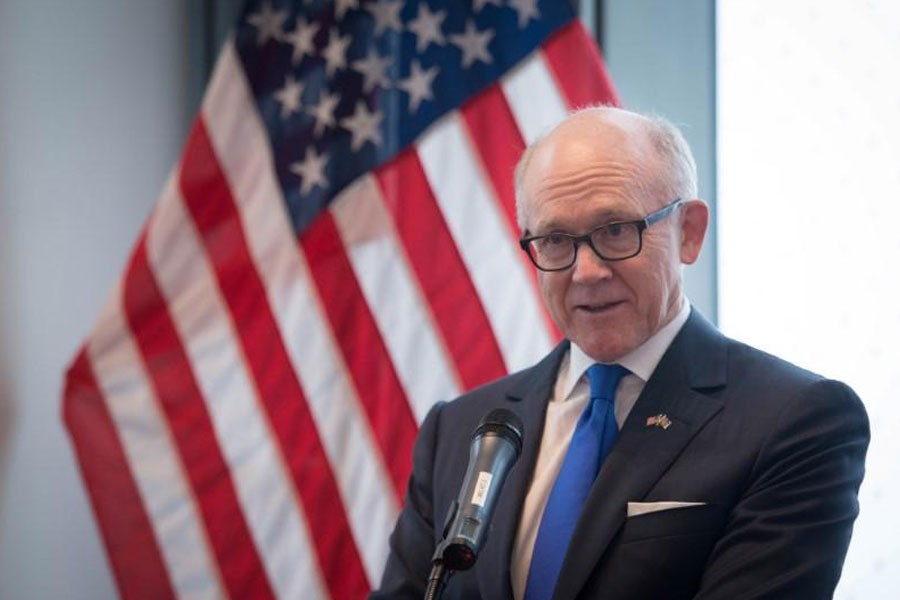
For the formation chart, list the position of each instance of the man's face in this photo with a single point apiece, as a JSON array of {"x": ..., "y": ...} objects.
[{"x": 587, "y": 173}]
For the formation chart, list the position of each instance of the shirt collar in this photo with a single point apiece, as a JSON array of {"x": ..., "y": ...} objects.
[{"x": 641, "y": 361}]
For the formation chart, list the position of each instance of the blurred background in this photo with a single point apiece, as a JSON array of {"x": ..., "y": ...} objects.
[{"x": 792, "y": 109}]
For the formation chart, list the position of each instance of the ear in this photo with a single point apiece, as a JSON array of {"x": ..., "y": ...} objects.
[{"x": 694, "y": 221}]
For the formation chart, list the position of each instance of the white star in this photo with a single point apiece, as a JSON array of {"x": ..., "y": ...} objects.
[
  {"x": 335, "y": 52},
  {"x": 311, "y": 170},
  {"x": 480, "y": 4},
  {"x": 427, "y": 27},
  {"x": 527, "y": 9},
  {"x": 473, "y": 44},
  {"x": 301, "y": 38},
  {"x": 373, "y": 68},
  {"x": 418, "y": 85},
  {"x": 387, "y": 15},
  {"x": 342, "y": 6},
  {"x": 289, "y": 96},
  {"x": 363, "y": 126},
  {"x": 269, "y": 23},
  {"x": 323, "y": 112}
]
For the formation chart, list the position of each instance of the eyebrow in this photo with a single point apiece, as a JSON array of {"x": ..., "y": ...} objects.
[{"x": 604, "y": 217}]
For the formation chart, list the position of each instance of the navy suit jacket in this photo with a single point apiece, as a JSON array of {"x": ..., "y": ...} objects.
[{"x": 774, "y": 453}]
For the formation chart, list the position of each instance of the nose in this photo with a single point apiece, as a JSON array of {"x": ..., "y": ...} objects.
[{"x": 588, "y": 266}]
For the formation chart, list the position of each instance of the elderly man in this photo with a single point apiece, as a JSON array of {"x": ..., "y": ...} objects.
[{"x": 661, "y": 460}]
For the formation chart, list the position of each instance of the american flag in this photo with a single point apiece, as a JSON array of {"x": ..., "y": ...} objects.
[{"x": 333, "y": 253}]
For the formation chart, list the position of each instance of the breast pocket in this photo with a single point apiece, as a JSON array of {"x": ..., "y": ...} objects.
[
  {"x": 682, "y": 521},
  {"x": 659, "y": 554}
]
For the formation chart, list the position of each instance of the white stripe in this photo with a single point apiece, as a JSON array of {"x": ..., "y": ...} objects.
[
  {"x": 533, "y": 97},
  {"x": 264, "y": 488},
  {"x": 152, "y": 456},
  {"x": 418, "y": 355},
  {"x": 363, "y": 481},
  {"x": 482, "y": 237}
]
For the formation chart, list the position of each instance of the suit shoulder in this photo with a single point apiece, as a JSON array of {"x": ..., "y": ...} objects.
[
  {"x": 474, "y": 404},
  {"x": 744, "y": 357},
  {"x": 773, "y": 377},
  {"x": 483, "y": 397}
]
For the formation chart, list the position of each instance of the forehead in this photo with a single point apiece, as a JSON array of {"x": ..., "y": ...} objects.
[{"x": 588, "y": 170}]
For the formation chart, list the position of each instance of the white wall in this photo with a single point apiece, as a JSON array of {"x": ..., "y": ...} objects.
[
  {"x": 809, "y": 146},
  {"x": 93, "y": 111}
]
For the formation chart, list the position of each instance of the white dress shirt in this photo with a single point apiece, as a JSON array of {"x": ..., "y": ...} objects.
[{"x": 570, "y": 397}]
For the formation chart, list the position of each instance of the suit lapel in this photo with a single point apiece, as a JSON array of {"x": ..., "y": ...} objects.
[
  {"x": 529, "y": 399},
  {"x": 695, "y": 361}
]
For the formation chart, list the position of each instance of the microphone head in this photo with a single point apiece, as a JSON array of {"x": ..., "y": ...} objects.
[
  {"x": 504, "y": 423},
  {"x": 496, "y": 445}
]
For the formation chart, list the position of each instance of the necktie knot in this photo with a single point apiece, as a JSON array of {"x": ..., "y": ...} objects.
[{"x": 604, "y": 379}]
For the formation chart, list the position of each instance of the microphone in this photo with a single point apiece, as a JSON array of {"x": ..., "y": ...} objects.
[{"x": 496, "y": 445}]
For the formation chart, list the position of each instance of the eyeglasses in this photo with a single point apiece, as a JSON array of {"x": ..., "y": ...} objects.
[{"x": 613, "y": 241}]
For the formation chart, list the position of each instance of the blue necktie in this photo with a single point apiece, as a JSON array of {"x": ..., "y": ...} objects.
[{"x": 593, "y": 437}]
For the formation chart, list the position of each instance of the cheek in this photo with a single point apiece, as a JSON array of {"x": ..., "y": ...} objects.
[
  {"x": 654, "y": 287},
  {"x": 647, "y": 280},
  {"x": 658, "y": 257},
  {"x": 656, "y": 245},
  {"x": 544, "y": 284},
  {"x": 553, "y": 290}
]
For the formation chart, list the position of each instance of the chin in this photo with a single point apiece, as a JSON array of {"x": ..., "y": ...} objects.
[{"x": 606, "y": 351}]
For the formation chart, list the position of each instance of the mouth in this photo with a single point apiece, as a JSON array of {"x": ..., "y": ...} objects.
[{"x": 599, "y": 308}]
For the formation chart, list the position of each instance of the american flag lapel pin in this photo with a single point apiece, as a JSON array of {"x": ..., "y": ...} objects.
[{"x": 660, "y": 420}]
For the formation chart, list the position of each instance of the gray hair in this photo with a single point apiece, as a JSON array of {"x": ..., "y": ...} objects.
[{"x": 678, "y": 178}]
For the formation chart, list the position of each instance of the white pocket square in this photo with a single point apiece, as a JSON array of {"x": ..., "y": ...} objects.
[{"x": 643, "y": 508}]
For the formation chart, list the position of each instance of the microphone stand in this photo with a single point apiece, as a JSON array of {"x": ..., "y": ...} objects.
[
  {"x": 436, "y": 581},
  {"x": 439, "y": 575}
]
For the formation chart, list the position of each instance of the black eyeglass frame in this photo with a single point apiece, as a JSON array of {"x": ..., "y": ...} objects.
[{"x": 577, "y": 240}]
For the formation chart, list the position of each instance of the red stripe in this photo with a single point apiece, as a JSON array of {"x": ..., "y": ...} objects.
[
  {"x": 493, "y": 131},
  {"x": 440, "y": 270},
  {"x": 182, "y": 402},
  {"x": 589, "y": 84},
  {"x": 379, "y": 389},
  {"x": 131, "y": 546},
  {"x": 492, "y": 127},
  {"x": 212, "y": 207}
]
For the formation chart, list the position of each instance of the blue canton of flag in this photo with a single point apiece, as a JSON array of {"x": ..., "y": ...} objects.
[{"x": 344, "y": 86}]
